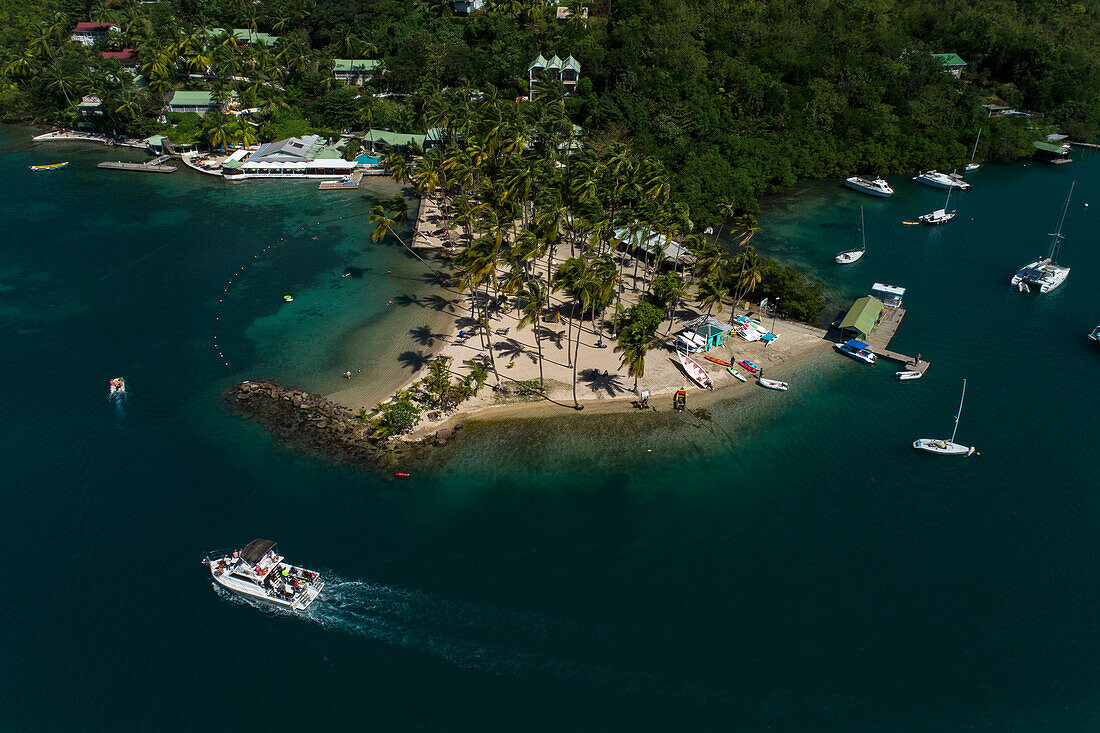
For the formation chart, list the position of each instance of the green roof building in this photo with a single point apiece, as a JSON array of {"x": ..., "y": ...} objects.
[
  {"x": 355, "y": 71},
  {"x": 952, "y": 63},
  {"x": 567, "y": 71},
  {"x": 862, "y": 317},
  {"x": 200, "y": 102},
  {"x": 395, "y": 139}
]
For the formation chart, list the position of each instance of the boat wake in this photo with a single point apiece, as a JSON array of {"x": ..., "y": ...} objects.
[{"x": 474, "y": 637}]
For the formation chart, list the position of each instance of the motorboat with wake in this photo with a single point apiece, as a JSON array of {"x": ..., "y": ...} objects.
[
  {"x": 871, "y": 186},
  {"x": 858, "y": 350},
  {"x": 847, "y": 258},
  {"x": 697, "y": 373},
  {"x": 258, "y": 571},
  {"x": 936, "y": 179},
  {"x": 116, "y": 386},
  {"x": 1045, "y": 274},
  {"x": 947, "y": 447}
]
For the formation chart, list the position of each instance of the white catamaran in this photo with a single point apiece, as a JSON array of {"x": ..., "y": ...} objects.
[
  {"x": 947, "y": 447},
  {"x": 847, "y": 258},
  {"x": 1045, "y": 274}
]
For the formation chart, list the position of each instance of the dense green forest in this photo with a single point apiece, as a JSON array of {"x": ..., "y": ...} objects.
[{"x": 735, "y": 98}]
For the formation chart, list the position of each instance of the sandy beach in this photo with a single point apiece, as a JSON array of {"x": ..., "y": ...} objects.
[{"x": 443, "y": 329}]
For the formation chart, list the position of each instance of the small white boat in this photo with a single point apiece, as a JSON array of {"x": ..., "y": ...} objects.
[
  {"x": 908, "y": 374},
  {"x": 939, "y": 216},
  {"x": 947, "y": 447},
  {"x": 772, "y": 384},
  {"x": 847, "y": 258},
  {"x": 872, "y": 186},
  {"x": 697, "y": 373},
  {"x": 257, "y": 571},
  {"x": 935, "y": 179},
  {"x": 1044, "y": 273},
  {"x": 117, "y": 386},
  {"x": 858, "y": 350}
]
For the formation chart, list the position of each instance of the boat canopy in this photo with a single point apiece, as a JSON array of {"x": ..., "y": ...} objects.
[
  {"x": 856, "y": 344},
  {"x": 255, "y": 550}
]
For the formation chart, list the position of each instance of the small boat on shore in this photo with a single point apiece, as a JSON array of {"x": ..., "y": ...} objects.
[
  {"x": 679, "y": 400},
  {"x": 858, "y": 350},
  {"x": 947, "y": 447},
  {"x": 48, "y": 166},
  {"x": 936, "y": 179},
  {"x": 716, "y": 360},
  {"x": 753, "y": 369},
  {"x": 908, "y": 374},
  {"x": 116, "y": 386},
  {"x": 847, "y": 258},
  {"x": 871, "y": 186},
  {"x": 741, "y": 376},
  {"x": 772, "y": 384},
  {"x": 258, "y": 572},
  {"x": 694, "y": 371}
]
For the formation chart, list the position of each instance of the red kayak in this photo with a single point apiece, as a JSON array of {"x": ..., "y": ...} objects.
[
  {"x": 716, "y": 360},
  {"x": 749, "y": 365},
  {"x": 401, "y": 475}
]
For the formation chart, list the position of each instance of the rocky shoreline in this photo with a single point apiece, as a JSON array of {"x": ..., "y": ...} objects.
[{"x": 323, "y": 428}]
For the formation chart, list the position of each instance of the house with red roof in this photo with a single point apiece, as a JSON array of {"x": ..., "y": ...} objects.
[
  {"x": 127, "y": 57},
  {"x": 87, "y": 34}
]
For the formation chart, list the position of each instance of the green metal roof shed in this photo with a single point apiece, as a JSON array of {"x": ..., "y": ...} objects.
[
  {"x": 949, "y": 59},
  {"x": 863, "y": 316}
]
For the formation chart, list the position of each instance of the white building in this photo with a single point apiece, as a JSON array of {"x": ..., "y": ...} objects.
[{"x": 87, "y": 34}]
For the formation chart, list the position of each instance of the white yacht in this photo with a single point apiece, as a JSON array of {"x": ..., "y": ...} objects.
[
  {"x": 847, "y": 258},
  {"x": 258, "y": 571},
  {"x": 1045, "y": 274},
  {"x": 874, "y": 186},
  {"x": 935, "y": 179},
  {"x": 858, "y": 350},
  {"x": 947, "y": 447}
]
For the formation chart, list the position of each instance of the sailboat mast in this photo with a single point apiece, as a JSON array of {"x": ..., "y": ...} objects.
[
  {"x": 975, "y": 150},
  {"x": 957, "y": 416},
  {"x": 862, "y": 230},
  {"x": 1058, "y": 234}
]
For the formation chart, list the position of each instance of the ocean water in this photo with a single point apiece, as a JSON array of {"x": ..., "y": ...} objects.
[{"x": 781, "y": 562}]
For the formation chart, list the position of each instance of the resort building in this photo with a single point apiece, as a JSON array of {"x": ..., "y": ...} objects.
[
  {"x": 562, "y": 12},
  {"x": 1054, "y": 150},
  {"x": 394, "y": 139},
  {"x": 90, "y": 106},
  {"x": 567, "y": 71},
  {"x": 200, "y": 102},
  {"x": 465, "y": 7},
  {"x": 86, "y": 34},
  {"x": 862, "y": 318},
  {"x": 659, "y": 246},
  {"x": 355, "y": 71},
  {"x": 127, "y": 57},
  {"x": 295, "y": 157},
  {"x": 245, "y": 36},
  {"x": 952, "y": 63}
]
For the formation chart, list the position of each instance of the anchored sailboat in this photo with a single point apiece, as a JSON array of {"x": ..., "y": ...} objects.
[
  {"x": 939, "y": 216},
  {"x": 972, "y": 166},
  {"x": 947, "y": 447},
  {"x": 1045, "y": 274},
  {"x": 847, "y": 258}
]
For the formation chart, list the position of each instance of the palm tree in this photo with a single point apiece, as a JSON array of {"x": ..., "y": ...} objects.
[
  {"x": 478, "y": 266},
  {"x": 750, "y": 275},
  {"x": 537, "y": 300},
  {"x": 711, "y": 293},
  {"x": 748, "y": 227},
  {"x": 384, "y": 225},
  {"x": 58, "y": 79},
  {"x": 634, "y": 343},
  {"x": 395, "y": 166},
  {"x": 366, "y": 113}
]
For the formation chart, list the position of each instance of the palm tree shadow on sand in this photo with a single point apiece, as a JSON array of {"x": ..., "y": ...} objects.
[
  {"x": 414, "y": 360},
  {"x": 599, "y": 381}
]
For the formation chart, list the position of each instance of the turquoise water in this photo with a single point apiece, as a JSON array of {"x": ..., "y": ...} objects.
[{"x": 786, "y": 561}]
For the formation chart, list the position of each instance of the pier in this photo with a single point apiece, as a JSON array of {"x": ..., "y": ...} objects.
[
  {"x": 351, "y": 183},
  {"x": 880, "y": 337},
  {"x": 152, "y": 166}
]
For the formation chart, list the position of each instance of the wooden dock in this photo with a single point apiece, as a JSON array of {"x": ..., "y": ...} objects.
[
  {"x": 883, "y": 333},
  {"x": 351, "y": 183},
  {"x": 153, "y": 166}
]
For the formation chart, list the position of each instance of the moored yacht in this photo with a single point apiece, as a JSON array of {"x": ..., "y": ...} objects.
[
  {"x": 1045, "y": 274},
  {"x": 947, "y": 447},
  {"x": 873, "y": 186},
  {"x": 935, "y": 179},
  {"x": 847, "y": 258},
  {"x": 258, "y": 571}
]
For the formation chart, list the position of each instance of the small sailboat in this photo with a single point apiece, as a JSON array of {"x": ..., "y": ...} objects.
[
  {"x": 972, "y": 166},
  {"x": 947, "y": 447},
  {"x": 1045, "y": 274},
  {"x": 694, "y": 371},
  {"x": 736, "y": 373},
  {"x": 49, "y": 166},
  {"x": 772, "y": 384},
  {"x": 847, "y": 258},
  {"x": 939, "y": 216}
]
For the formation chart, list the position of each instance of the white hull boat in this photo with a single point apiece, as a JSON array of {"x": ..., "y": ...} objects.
[
  {"x": 1044, "y": 274},
  {"x": 697, "y": 373},
  {"x": 847, "y": 258},
  {"x": 972, "y": 166},
  {"x": 908, "y": 375},
  {"x": 773, "y": 384},
  {"x": 947, "y": 447},
  {"x": 939, "y": 216},
  {"x": 870, "y": 186},
  {"x": 116, "y": 386},
  {"x": 935, "y": 179},
  {"x": 858, "y": 350},
  {"x": 1094, "y": 335},
  {"x": 258, "y": 572}
]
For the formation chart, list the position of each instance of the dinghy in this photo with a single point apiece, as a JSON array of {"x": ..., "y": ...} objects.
[
  {"x": 907, "y": 375},
  {"x": 772, "y": 384},
  {"x": 694, "y": 371}
]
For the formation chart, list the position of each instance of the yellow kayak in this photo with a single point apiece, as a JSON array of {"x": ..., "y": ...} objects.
[
  {"x": 49, "y": 167},
  {"x": 911, "y": 223}
]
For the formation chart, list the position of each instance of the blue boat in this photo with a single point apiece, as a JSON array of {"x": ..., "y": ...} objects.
[{"x": 858, "y": 350}]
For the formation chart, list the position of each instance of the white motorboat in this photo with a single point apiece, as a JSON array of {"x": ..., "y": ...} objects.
[
  {"x": 116, "y": 386},
  {"x": 772, "y": 384},
  {"x": 908, "y": 374},
  {"x": 847, "y": 258},
  {"x": 858, "y": 350},
  {"x": 697, "y": 373},
  {"x": 935, "y": 179},
  {"x": 972, "y": 166},
  {"x": 872, "y": 186},
  {"x": 1044, "y": 273},
  {"x": 947, "y": 447},
  {"x": 258, "y": 571}
]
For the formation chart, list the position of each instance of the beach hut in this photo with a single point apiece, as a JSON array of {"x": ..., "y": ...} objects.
[
  {"x": 862, "y": 317},
  {"x": 709, "y": 329}
]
